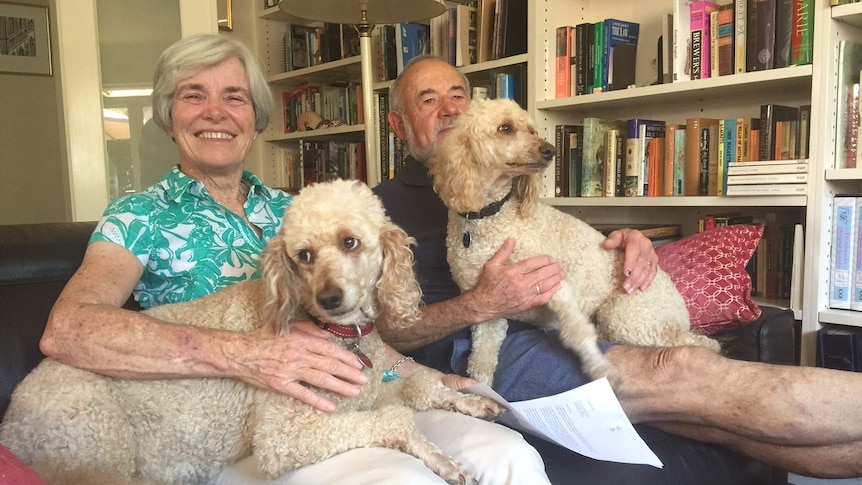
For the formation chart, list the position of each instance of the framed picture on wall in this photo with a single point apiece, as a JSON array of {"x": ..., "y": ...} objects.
[{"x": 25, "y": 43}]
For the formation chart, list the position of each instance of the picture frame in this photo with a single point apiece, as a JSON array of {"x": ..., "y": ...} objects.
[
  {"x": 224, "y": 10},
  {"x": 25, "y": 40}
]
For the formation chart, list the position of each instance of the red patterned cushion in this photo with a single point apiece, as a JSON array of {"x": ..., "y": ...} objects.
[
  {"x": 708, "y": 269},
  {"x": 14, "y": 472}
]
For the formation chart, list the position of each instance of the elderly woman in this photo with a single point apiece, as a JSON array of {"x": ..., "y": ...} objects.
[{"x": 201, "y": 228}]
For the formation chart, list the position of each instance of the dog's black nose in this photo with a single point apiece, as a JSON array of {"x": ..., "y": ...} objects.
[
  {"x": 330, "y": 299},
  {"x": 547, "y": 151}
]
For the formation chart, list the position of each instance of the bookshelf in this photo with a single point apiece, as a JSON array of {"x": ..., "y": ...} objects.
[
  {"x": 732, "y": 96},
  {"x": 737, "y": 95},
  {"x": 839, "y": 23}
]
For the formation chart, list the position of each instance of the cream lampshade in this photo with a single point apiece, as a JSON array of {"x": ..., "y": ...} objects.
[{"x": 364, "y": 14}]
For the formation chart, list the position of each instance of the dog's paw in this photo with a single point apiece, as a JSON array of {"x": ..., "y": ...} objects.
[
  {"x": 450, "y": 470},
  {"x": 477, "y": 406}
]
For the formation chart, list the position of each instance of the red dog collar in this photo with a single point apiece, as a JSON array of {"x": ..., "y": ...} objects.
[{"x": 347, "y": 331}]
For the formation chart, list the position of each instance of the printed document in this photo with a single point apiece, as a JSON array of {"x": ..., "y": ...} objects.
[{"x": 587, "y": 420}]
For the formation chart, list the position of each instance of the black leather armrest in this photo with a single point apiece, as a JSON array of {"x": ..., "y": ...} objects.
[{"x": 772, "y": 338}]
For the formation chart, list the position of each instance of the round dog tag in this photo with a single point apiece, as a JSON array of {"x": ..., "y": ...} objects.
[{"x": 363, "y": 359}]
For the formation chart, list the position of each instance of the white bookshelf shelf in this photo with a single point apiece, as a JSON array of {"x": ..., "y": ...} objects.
[
  {"x": 766, "y": 201},
  {"x": 840, "y": 317},
  {"x": 337, "y": 133}
]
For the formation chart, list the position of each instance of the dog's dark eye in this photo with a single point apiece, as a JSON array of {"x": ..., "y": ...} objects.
[
  {"x": 351, "y": 243},
  {"x": 505, "y": 128},
  {"x": 304, "y": 256}
]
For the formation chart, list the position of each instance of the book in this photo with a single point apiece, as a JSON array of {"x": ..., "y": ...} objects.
[
  {"x": 485, "y": 27},
  {"x": 767, "y": 189},
  {"x": 619, "y": 54},
  {"x": 563, "y": 57},
  {"x": 768, "y": 178},
  {"x": 724, "y": 41},
  {"x": 764, "y": 35},
  {"x": 770, "y": 114},
  {"x": 740, "y": 35},
  {"x": 665, "y": 49},
  {"x": 592, "y": 161},
  {"x": 711, "y": 181},
  {"x": 638, "y": 134},
  {"x": 582, "y": 47},
  {"x": 681, "y": 40},
  {"x": 561, "y": 161},
  {"x": 412, "y": 39},
  {"x": 849, "y": 61},
  {"x": 679, "y": 162},
  {"x": 573, "y": 149},
  {"x": 514, "y": 28},
  {"x": 699, "y": 26},
  {"x": 598, "y": 57},
  {"x": 612, "y": 173},
  {"x": 783, "y": 33},
  {"x": 768, "y": 167},
  {"x": 797, "y": 267},
  {"x": 466, "y": 41},
  {"x": 694, "y": 145},
  {"x": 668, "y": 183},
  {"x": 856, "y": 247},
  {"x": 843, "y": 227},
  {"x": 802, "y": 40}
]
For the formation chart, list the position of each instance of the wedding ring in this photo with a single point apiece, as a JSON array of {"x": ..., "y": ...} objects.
[{"x": 538, "y": 291}]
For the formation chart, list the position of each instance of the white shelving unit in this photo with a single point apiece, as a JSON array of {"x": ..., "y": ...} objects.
[{"x": 738, "y": 95}]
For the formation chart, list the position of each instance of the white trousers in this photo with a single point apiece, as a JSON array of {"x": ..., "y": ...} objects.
[{"x": 494, "y": 454}]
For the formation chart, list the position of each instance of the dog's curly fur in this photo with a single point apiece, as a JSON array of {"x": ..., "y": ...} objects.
[
  {"x": 493, "y": 150},
  {"x": 338, "y": 257}
]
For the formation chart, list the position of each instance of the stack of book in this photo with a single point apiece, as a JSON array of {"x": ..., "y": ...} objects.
[
  {"x": 595, "y": 57},
  {"x": 772, "y": 177}
]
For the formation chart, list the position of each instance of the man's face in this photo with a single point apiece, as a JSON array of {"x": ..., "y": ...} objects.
[{"x": 433, "y": 94}]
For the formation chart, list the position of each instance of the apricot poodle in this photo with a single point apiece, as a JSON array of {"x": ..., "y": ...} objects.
[
  {"x": 337, "y": 259},
  {"x": 487, "y": 171}
]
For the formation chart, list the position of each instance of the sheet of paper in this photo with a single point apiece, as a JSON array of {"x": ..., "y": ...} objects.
[{"x": 588, "y": 420}]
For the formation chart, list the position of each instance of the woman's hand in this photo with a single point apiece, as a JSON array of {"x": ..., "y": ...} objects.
[
  {"x": 304, "y": 356},
  {"x": 641, "y": 261}
]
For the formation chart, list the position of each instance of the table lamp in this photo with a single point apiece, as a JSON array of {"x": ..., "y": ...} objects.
[{"x": 364, "y": 14}]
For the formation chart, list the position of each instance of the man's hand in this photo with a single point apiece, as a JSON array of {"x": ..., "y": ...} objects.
[
  {"x": 303, "y": 356},
  {"x": 506, "y": 289},
  {"x": 641, "y": 261}
]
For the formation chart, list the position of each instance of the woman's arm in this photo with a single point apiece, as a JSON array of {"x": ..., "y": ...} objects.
[{"x": 88, "y": 329}]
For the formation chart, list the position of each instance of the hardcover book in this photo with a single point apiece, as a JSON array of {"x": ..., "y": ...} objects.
[
  {"x": 725, "y": 40},
  {"x": 563, "y": 57},
  {"x": 700, "y": 39},
  {"x": 764, "y": 35},
  {"x": 670, "y": 136},
  {"x": 561, "y": 161},
  {"x": 619, "y": 54},
  {"x": 694, "y": 153},
  {"x": 801, "y": 42},
  {"x": 639, "y": 133},
  {"x": 681, "y": 40}
]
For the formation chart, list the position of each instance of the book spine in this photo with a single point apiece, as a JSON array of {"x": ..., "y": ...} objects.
[
  {"x": 559, "y": 161},
  {"x": 599, "y": 43},
  {"x": 739, "y": 35},
  {"x": 700, "y": 39},
  {"x": 801, "y": 42},
  {"x": 619, "y": 177},
  {"x": 767, "y": 189},
  {"x": 856, "y": 277},
  {"x": 632, "y": 170},
  {"x": 763, "y": 178},
  {"x": 851, "y": 127},
  {"x": 681, "y": 40},
  {"x": 575, "y": 152},
  {"x": 783, "y": 33},
  {"x": 724, "y": 41},
  {"x": 764, "y": 35},
  {"x": 582, "y": 47},
  {"x": 679, "y": 152},
  {"x": 609, "y": 185},
  {"x": 713, "y": 43},
  {"x": 563, "y": 79},
  {"x": 843, "y": 220},
  {"x": 745, "y": 168}
]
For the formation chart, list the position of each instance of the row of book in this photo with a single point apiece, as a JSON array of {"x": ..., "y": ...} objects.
[
  {"x": 595, "y": 57},
  {"x": 845, "y": 273},
  {"x": 719, "y": 38},
  {"x": 480, "y": 31},
  {"x": 311, "y": 45},
  {"x": 318, "y": 161},
  {"x": 341, "y": 102},
  {"x": 703, "y": 157}
]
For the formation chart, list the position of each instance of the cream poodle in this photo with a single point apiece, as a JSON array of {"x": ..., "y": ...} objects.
[
  {"x": 487, "y": 171},
  {"x": 337, "y": 260}
]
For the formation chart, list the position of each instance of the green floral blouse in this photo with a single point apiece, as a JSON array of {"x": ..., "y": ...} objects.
[{"x": 189, "y": 244}]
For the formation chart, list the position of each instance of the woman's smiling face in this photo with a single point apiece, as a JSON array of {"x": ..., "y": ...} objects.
[{"x": 213, "y": 118}]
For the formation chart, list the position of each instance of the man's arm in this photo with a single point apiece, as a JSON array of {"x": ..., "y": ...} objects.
[{"x": 502, "y": 290}]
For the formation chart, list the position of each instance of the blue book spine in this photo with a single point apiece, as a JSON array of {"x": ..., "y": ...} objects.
[
  {"x": 616, "y": 32},
  {"x": 842, "y": 252}
]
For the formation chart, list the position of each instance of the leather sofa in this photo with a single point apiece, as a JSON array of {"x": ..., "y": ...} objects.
[{"x": 37, "y": 260}]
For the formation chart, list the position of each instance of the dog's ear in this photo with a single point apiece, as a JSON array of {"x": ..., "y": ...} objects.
[
  {"x": 398, "y": 292},
  {"x": 459, "y": 187},
  {"x": 525, "y": 188},
  {"x": 282, "y": 286}
]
